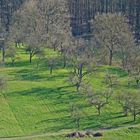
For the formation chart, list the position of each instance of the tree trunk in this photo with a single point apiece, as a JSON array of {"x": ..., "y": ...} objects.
[
  {"x": 137, "y": 82},
  {"x": 134, "y": 114},
  {"x": 80, "y": 73},
  {"x": 80, "y": 76},
  {"x": 13, "y": 62},
  {"x": 30, "y": 59},
  {"x": 123, "y": 63},
  {"x": 125, "y": 111},
  {"x": 110, "y": 57},
  {"x": 61, "y": 50},
  {"x": 3, "y": 54},
  {"x": 77, "y": 86},
  {"x": 64, "y": 61},
  {"x": 99, "y": 111},
  {"x": 51, "y": 70},
  {"x": 54, "y": 48}
]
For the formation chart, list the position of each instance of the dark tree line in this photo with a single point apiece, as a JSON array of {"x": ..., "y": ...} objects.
[
  {"x": 82, "y": 11},
  {"x": 7, "y": 8}
]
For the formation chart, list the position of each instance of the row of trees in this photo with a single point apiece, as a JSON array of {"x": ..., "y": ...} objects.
[
  {"x": 111, "y": 41},
  {"x": 41, "y": 24},
  {"x": 7, "y": 8},
  {"x": 128, "y": 102},
  {"x": 37, "y": 22}
]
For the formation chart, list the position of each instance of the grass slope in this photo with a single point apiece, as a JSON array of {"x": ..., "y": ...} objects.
[{"x": 36, "y": 102}]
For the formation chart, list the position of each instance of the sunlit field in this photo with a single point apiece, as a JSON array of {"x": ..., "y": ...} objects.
[{"x": 36, "y": 102}]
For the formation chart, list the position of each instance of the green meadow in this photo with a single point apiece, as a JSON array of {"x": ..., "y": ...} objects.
[{"x": 36, "y": 102}]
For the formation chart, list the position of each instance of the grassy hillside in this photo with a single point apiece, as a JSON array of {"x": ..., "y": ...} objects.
[{"x": 36, "y": 102}]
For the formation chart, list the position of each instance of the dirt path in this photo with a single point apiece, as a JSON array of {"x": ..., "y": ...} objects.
[
  {"x": 31, "y": 137},
  {"x": 62, "y": 133}
]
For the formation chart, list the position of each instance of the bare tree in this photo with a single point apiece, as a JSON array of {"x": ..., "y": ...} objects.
[
  {"x": 98, "y": 99},
  {"x": 75, "y": 114},
  {"x": 81, "y": 55},
  {"x": 133, "y": 66},
  {"x": 2, "y": 41},
  {"x": 41, "y": 23},
  {"x": 113, "y": 34},
  {"x": 135, "y": 105},
  {"x": 110, "y": 79},
  {"x": 52, "y": 62},
  {"x": 124, "y": 99},
  {"x": 27, "y": 28},
  {"x": 130, "y": 103},
  {"x": 12, "y": 54}
]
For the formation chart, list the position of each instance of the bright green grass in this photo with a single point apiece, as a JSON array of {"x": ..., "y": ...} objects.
[{"x": 36, "y": 102}]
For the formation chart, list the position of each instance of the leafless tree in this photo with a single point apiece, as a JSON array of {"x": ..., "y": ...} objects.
[
  {"x": 130, "y": 103},
  {"x": 114, "y": 36},
  {"x": 98, "y": 99}
]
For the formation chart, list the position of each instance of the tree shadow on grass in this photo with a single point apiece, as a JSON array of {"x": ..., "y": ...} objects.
[
  {"x": 20, "y": 63},
  {"x": 26, "y": 74},
  {"x": 58, "y": 123},
  {"x": 59, "y": 97},
  {"x": 106, "y": 121},
  {"x": 131, "y": 86},
  {"x": 56, "y": 94},
  {"x": 129, "y": 122},
  {"x": 34, "y": 75},
  {"x": 56, "y": 77},
  {"x": 119, "y": 71},
  {"x": 115, "y": 116}
]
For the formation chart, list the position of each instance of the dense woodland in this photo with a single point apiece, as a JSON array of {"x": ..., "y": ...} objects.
[
  {"x": 7, "y": 8},
  {"x": 83, "y": 11}
]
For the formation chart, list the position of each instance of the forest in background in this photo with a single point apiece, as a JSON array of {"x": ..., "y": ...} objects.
[{"x": 82, "y": 11}]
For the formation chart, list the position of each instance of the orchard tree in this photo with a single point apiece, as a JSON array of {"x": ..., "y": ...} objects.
[
  {"x": 133, "y": 66},
  {"x": 2, "y": 41},
  {"x": 40, "y": 23},
  {"x": 110, "y": 79},
  {"x": 12, "y": 54},
  {"x": 130, "y": 103},
  {"x": 97, "y": 99},
  {"x": 65, "y": 48},
  {"x": 40, "y": 57},
  {"x": 75, "y": 114},
  {"x": 27, "y": 28},
  {"x": 136, "y": 76},
  {"x": 135, "y": 105},
  {"x": 113, "y": 34},
  {"x": 59, "y": 35},
  {"x": 81, "y": 55},
  {"x": 124, "y": 100},
  {"x": 52, "y": 62}
]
